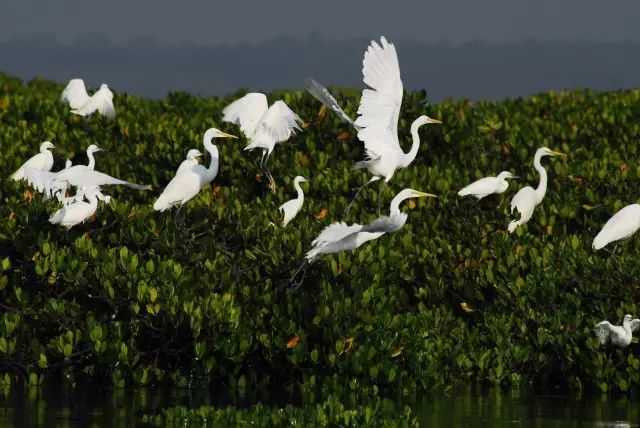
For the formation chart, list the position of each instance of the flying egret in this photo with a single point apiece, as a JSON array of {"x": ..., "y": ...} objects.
[
  {"x": 623, "y": 224},
  {"x": 291, "y": 208},
  {"x": 79, "y": 211},
  {"x": 377, "y": 121},
  {"x": 619, "y": 336},
  {"x": 487, "y": 186},
  {"x": 264, "y": 126},
  {"x": 84, "y": 105},
  {"x": 190, "y": 161},
  {"x": 188, "y": 182},
  {"x": 340, "y": 237},
  {"x": 43, "y": 161},
  {"x": 527, "y": 198}
]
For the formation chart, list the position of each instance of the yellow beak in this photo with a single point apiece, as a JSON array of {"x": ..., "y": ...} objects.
[
  {"x": 422, "y": 195},
  {"x": 558, "y": 154},
  {"x": 435, "y": 121},
  {"x": 224, "y": 134}
]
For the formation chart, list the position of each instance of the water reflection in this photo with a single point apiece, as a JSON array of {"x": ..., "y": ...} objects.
[{"x": 468, "y": 407}]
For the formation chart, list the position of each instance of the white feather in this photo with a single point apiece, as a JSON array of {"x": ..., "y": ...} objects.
[{"x": 75, "y": 93}]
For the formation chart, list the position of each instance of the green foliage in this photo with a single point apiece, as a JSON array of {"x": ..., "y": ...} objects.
[{"x": 133, "y": 297}]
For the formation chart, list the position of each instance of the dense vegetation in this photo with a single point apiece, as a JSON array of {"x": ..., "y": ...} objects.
[{"x": 134, "y": 297}]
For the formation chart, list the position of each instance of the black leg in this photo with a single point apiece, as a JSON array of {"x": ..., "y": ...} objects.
[{"x": 354, "y": 198}]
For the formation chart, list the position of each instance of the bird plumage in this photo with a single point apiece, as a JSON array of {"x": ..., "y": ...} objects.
[
  {"x": 621, "y": 225},
  {"x": 487, "y": 186},
  {"x": 43, "y": 161},
  {"x": 292, "y": 207},
  {"x": 619, "y": 336}
]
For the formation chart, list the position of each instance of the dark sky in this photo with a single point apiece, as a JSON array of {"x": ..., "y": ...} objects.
[{"x": 210, "y": 22}]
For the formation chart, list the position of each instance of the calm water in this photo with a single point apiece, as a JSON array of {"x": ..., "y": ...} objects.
[{"x": 53, "y": 407}]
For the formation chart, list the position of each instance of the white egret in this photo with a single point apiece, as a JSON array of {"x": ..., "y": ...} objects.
[
  {"x": 619, "y": 336},
  {"x": 84, "y": 105},
  {"x": 188, "y": 182},
  {"x": 487, "y": 186},
  {"x": 377, "y": 121},
  {"x": 190, "y": 161},
  {"x": 264, "y": 126},
  {"x": 43, "y": 161},
  {"x": 623, "y": 224},
  {"x": 291, "y": 208},
  {"x": 79, "y": 211},
  {"x": 340, "y": 237},
  {"x": 527, "y": 198}
]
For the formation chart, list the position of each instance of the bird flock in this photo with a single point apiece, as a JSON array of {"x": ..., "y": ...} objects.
[{"x": 266, "y": 126}]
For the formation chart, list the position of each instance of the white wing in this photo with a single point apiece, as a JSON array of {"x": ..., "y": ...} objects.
[
  {"x": 624, "y": 223},
  {"x": 85, "y": 177},
  {"x": 43, "y": 161},
  {"x": 246, "y": 112},
  {"x": 323, "y": 95},
  {"x": 75, "y": 93},
  {"x": 603, "y": 331},
  {"x": 380, "y": 106},
  {"x": 635, "y": 325},
  {"x": 335, "y": 232},
  {"x": 279, "y": 122},
  {"x": 484, "y": 186},
  {"x": 524, "y": 201},
  {"x": 101, "y": 101},
  {"x": 38, "y": 179}
]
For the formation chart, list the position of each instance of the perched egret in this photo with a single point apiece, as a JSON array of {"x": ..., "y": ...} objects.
[
  {"x": 623, "y": 224},
  {"x": 188, "y": 182},
  {"x": 79, "y": 211},
  {"x": 82, "y": 104},
  {"x": 291, "y": 208},
  {"x": 43, "y": 161},
  {"x": 619, "y": 336},
  {"x": 487, "y": 186},
  {"x": 377, "y": 121},
  {"x": 340, "y": 237},
  {"x": 264, "y": 126},
  {"x": 190, "y": 161},
  {"x": 527, "y": 198}
]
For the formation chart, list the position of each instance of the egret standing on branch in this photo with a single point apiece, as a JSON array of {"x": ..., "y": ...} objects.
[
  {"x": 623, "y": 224},
  {"x": 264, "y": 126},
  {"x": 43, "y": 161},
  {"x": 487, "y": 186},
  {"x": 619, "y": 336},
  {"x": 377, "y": 121},
  {"x": 527, "y": 198},
  {"x": 84, "y": 105},
  {"x": 291, "y": 208}
]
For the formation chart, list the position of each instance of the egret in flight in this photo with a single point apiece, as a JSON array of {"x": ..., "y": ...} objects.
[
  {"x": 623, "y": 224},
  {"x": 43, "y": 161},
  {"x": 487, "y": 186},
  {"x": 263, "y": 126},
  {"x": 188, "y": 182},
  {"x": 75, "y": 93},
  {"x": 618, "y": 335},
  {"x": 79, "y": 211},
  {"x": 527, "y": 198},
  {"x": 291, "y": 208},
  {"x": 377, "y": 121},
  {"x": 341, "y": 237}
]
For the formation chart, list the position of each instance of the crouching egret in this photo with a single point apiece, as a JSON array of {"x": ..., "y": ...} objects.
[
  {"x": 377, "y": 122},
  {"x": 619, "y": 336},
  {"x": 75, "y": 93},
  {"x": 623, "y": 224},
  {"x": 79, "y": 211},
  {"x": 187, "y": 183},
  {"x": 487, "y": 186},
  {"x": 264, "y": 126},
  {"x": 291, "y": 208},
  {"x": 190, "y": 161},
  {"x": 527, "y": 198},
  {"x": 340, "y": 237},
  {"x": 42, "y": 161}
]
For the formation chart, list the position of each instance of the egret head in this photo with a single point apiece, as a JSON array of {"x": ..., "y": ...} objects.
[
  {"x": 193, "y": 154},
  {"x": 545, "y": 151},
  {"x": 627, "y": 318},
  {"x": 216, "y": 133},
  {"x": 46, "y": 145},
  {"x": 410, "y": 193},
  {"x": 504, "y": 175},
  {"x": 299, "y": 179},
  {"x": 424, "y": 120},
  {"x": 104, "y": 86},
  {"x": 93, "y": 148}
]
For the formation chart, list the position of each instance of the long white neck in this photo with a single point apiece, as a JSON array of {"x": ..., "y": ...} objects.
[
  {"x": 541, "y": 190},
  {"x": 394, "y": 208},
  {"x": 212, "y": 171},
  {"x": 299, "y": 190},
  {"x": 626, "y": 325},
  {"x": 409, "y": 157},
  {"x": 92, "y": 161}
]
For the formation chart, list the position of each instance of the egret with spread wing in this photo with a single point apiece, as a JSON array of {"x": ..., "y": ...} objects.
[
  {"x": 377, "y": 121},
  {"x": 618, "y": 335},
  {"x": 263, "y": 126},
  {"x": 82, "y": 104},
  {"x": 42, "y": 161},
  {"x": 623, "y": 224},
  {"x": 527, "y": 198},
  {"x": 487, "y": 186},
  {"x": 188, "y": 182},
  {"x": 291, "y": 208}
]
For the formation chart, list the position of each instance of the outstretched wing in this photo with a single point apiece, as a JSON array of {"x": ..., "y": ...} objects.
[
  {"x": 75, "y": 93},
  {"x": 380, "y": 106},
  {"x": 382, "y": 224},
  {"x": 635, "y": 325},
  {"x": 279, "y": 122},
  {"x": 38, "y": 178},
  {"x": 101, "y": 101},
  {"x": 88, "y": 177},
  {"x": 603, "y": 331},
  {"x": 335, "y": 232},
  {"x": 246, "y": 112},
  {"x": 321, "y": 94}
]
